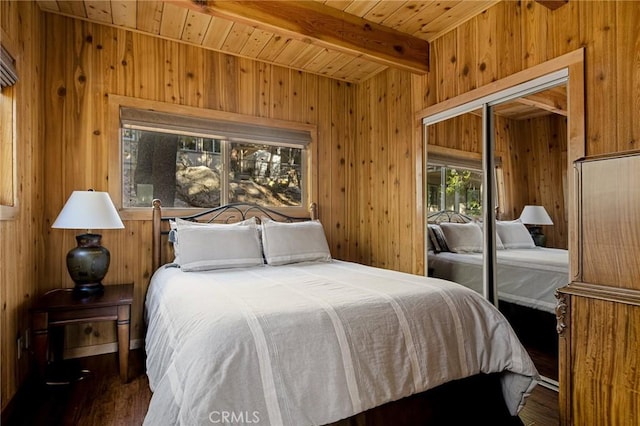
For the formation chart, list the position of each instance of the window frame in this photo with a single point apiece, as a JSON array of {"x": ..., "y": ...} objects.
[
  {"x": 115, "y": 102},
  {"x": 9, "y": 94}
]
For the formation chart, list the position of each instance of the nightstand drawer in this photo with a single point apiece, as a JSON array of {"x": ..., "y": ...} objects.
[{"x": 109, "y": 313}]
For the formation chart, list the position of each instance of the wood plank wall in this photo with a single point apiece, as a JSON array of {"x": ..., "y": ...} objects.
[
  {"x": 21, "y": 242},
  {"x": 100, "y": 60},
  {"x": 382, "y": 226}
]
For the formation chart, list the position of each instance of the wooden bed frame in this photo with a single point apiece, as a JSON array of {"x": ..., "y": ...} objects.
[{"x": 473, "y": 400}]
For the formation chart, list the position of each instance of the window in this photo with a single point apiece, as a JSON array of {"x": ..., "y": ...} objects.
[
  {"x": 189, "y": 162},
  {"x": 8, "y": 73},
  {"x": 8, "y": 77},
  {"x": 457, "y": 189}
]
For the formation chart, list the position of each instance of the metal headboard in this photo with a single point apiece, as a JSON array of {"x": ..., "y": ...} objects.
[
  {"x": 448, "y": 216},
  {"x": 234, "y": 212}
]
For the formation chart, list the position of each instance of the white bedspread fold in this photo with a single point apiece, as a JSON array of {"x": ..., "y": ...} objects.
[{"x": 310, "y": 344}]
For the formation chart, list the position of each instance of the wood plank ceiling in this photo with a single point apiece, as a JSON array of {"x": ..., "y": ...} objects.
[{"x": 209, "y": 25}]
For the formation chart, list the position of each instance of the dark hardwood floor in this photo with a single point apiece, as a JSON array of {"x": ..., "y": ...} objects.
[{"x": 102, "y": 399}]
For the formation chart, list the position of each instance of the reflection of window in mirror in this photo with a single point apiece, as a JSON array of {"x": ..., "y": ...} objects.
[
  {"x": 187, "y": 162},
  {"x": 459, "y": 188},
  {"x": 454, "y": 188}
]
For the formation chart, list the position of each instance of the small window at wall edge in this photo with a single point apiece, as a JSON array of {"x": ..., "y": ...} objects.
[
  {"x": 210, "y": 161},
  {"x": 8, "y": 77},
  {"x": 8, "y": 73}
]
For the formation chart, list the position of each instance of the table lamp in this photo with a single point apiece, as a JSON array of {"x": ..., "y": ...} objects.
[
  {"x": 88, "y": 263},
  {"x": 534, "y": 217}
]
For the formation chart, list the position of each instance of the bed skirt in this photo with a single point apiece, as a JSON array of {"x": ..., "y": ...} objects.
[{"x": 473, "y": 400}]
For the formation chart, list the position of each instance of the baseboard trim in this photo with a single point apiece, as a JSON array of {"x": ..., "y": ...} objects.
[
  {"x": 549, "y": 383},
  {"x": 105, "y": 348}
]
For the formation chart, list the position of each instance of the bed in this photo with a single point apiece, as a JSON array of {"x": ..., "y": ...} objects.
[{"x": 298, "y": 338}]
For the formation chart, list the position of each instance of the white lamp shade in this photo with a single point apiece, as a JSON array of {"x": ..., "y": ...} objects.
[
  {"x": 535, "y": 215},
  {"x": 88, "y": 210}
]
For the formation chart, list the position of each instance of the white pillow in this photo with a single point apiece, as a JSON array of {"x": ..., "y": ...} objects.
[
  {"x": 218, "y": 246},
  {"x": 466, "y": 243},
  {"x": 514, "y": 234},
  {"x": 462, "y": 237},
  {"x": 294, "y": 242},
  {"x": 181, "y": 224}
]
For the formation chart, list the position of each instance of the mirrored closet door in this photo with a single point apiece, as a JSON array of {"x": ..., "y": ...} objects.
[
  {"x": 531, "y": 217},
  {"x": 495, "y": 191}
]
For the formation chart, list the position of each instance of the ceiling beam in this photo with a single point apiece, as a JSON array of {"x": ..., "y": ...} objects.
[
  {"x": 313, "y": 22},
  {"x": 556, "y": 103}
]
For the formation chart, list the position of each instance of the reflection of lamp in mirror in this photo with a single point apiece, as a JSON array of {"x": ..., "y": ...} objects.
[
  {"x": 535, "y": 217},
  {"x": 88, "y": 263}
]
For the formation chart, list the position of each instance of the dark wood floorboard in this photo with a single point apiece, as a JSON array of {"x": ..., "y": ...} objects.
[
  {"x": 545, "y": 361},
  {"x": 102, "y": 399},
  {"x": 541, "y": 408}
]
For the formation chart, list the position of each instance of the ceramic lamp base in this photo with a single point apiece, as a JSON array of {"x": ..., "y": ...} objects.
[
  {"x": 87, "y": 264},
  {"x": 539, "y": 238}
]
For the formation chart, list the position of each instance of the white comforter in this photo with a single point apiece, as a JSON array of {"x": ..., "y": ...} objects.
[{"x": 310, "y": 344}]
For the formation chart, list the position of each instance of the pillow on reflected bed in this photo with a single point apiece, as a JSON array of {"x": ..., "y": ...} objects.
[
  {"x": 514, "y": 234},
  {"x": 217, "y": 246},
  {"x": 466, "y": 237},
  {"x": 285, "y": 243},
  {"x": 462, "y": 237}
]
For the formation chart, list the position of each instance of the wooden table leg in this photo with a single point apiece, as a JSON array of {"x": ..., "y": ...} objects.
[
  {"x": 40, "y": 327},
  {"x": 124, "y": 319}
]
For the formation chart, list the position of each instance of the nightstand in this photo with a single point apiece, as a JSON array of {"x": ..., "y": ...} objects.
[{"x": 60, "y": 307}]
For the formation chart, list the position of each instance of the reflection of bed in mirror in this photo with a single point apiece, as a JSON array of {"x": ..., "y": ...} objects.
[{"x": 527, "y": 277}]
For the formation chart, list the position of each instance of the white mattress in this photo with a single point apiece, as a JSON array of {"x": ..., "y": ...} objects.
[
  {"x": 310, "y": 344},
  {"x": 527, "y": 277}
]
